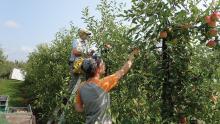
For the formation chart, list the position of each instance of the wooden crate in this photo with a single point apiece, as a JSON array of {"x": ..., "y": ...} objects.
[{"x": 20, "y": 115}]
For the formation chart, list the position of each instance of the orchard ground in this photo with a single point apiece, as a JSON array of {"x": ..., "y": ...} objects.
[{"x": 15, "y": 90}]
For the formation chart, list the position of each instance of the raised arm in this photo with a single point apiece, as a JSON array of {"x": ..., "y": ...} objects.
[
  {"x": 125, "y": 68},
  {"x": 111, "y": 81}
]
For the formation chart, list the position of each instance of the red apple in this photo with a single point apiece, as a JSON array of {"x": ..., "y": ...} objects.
[
  {"x": 213, "y": 32},
  {"x": 163, "y": 34},
  {"x": 212, "y": 23},
  {"x": 207, "y": 19},
  {"x": 211, "y": 43},
  {"x": 215, "y": 16}
]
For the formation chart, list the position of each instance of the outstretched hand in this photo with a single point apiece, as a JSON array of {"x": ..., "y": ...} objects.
[{"x": 135, "y": 51}]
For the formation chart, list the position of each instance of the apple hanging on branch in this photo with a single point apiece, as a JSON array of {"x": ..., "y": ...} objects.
[
  {"x": 212, "y": 23},
  {"x": 163, "y": 34},
  {"x": 211, "y": 19},
  {"x": 215, "y": 16},
  {"x": 207, "y": 19},
  {"x": 211, "y": 43},
  {"x": 213, "y": 32}
]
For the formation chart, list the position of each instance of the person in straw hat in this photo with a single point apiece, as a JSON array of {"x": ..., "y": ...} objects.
[{"x": 80, "y": 50}]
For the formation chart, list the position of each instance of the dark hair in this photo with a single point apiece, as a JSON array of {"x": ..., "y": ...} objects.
[{"x": 91, "y": 65}]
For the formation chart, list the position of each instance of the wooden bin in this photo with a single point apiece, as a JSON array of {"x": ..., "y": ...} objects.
[{"x": 20, "y": 115}]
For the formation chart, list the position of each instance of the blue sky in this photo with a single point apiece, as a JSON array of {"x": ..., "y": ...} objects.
[{"x": 27, "y": 23}]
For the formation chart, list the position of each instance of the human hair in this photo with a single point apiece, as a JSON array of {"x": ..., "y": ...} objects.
[{"x": 91, "y": 65}]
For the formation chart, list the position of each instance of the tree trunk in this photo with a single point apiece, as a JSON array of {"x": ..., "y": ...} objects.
[{"x": 167, "y": 107}]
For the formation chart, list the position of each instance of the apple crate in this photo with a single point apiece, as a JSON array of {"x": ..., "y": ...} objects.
[{"x": 20, "y": 110}]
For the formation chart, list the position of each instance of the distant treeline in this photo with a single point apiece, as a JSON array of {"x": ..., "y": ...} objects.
[{"x": 6, "y": 66}]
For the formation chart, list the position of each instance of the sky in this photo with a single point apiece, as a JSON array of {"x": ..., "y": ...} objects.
[{"x": 26, "y": 23}]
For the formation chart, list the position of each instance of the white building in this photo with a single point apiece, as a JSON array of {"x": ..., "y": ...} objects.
[{"x": 17, "y": 74}]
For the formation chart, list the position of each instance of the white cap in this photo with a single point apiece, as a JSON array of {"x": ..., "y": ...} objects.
[{"x": 83, "y": 30}]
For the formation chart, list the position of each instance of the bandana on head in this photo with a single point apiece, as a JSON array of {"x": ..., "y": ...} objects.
[{"x": 90, "y": 65}]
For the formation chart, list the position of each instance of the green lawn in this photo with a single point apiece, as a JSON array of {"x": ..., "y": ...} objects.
[
  {"x": 3, "y": 120},
  {"x": 14, "y": 89}
]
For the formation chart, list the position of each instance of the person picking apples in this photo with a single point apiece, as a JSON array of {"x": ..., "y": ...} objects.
[
  {"x": 93, "y": 95},
  {"x": 81, "y": 49}
]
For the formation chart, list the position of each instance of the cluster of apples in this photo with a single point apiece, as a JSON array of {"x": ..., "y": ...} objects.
[{"x": 211, "y": 20}]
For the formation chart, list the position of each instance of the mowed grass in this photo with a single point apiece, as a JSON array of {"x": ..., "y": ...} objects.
[
  {"x": 14, "y": 89},
  {"x": 3, "y": 120}
]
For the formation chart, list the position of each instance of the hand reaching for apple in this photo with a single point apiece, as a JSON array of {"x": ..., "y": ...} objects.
[{"x": 135, "y": 51}]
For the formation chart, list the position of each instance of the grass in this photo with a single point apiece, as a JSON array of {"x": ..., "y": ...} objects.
[
  {"x": 3, "y": 120},
  {"x": 14, "y": 89}
]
